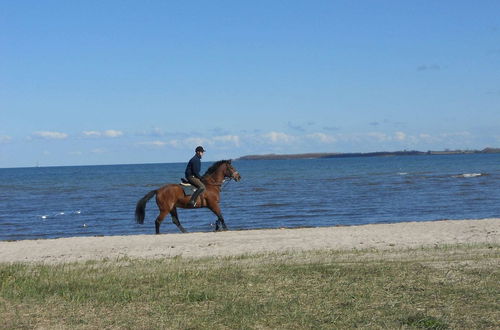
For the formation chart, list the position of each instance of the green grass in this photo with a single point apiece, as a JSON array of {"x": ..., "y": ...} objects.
[{"x": 443, "y": 288}]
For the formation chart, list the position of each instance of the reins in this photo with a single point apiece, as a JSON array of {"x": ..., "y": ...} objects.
[{"x": 222, "y": 184}]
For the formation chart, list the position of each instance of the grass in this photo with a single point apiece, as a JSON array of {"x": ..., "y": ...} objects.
[{"x": 442, "y": 288}]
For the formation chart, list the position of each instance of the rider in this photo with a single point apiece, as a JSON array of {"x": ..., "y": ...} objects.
[{"x": 193, "y": 175}]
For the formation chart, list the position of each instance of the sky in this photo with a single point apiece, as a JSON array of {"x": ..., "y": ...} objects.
[{"x": 124, "y": 82}]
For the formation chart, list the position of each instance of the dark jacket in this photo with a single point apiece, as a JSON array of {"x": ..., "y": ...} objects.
[{"x": 193, "y": 167}]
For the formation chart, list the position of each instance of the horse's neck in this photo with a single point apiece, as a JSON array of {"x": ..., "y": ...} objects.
[{"x": 217, "y": 176}]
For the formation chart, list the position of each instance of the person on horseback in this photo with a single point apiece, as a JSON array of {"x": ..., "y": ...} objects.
[{"x": 193, "y": 174}]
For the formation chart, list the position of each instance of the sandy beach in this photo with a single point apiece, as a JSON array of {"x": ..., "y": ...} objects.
[{"x": 233, "y": 243}]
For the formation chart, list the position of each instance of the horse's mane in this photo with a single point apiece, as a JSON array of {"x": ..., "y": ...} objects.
[{"x": 215, "y": 166}]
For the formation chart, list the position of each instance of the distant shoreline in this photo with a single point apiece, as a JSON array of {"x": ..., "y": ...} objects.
[{"x": 367, "y": 154}]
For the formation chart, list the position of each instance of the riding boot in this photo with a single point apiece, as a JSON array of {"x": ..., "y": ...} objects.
[{"x": 194, "y": 197}]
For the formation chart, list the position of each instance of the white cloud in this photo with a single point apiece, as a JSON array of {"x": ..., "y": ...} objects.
[
  {"x": 222, "y": 141},
  {"x": 5, "y": 139},
  {"x": 322, "y": 137},
  {"x": 175, "y": 143},
  {"x": 279, "y": 137},
  {"x": 111, "y": 133},
  {"x": 188, "y": 143},
  {"x": 380, "y": 137},
  {"x": 400, "y": 136},
  {"x": 157, "y": 144},
  {"x": 233, "y": 139},
  {"x": 427, "y": 138},
  {"x": 91, "y": 133},
  {"x": 98, "y": 151},
  {"x": 363, "y": 137},
  {"x": 463, "y": 134},
  {"x": 50, "y": 135}
]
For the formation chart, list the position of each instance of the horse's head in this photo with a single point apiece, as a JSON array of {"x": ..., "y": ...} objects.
[
  {"x": 222, "y": 169},
  {"x": 231, "y": 172}
]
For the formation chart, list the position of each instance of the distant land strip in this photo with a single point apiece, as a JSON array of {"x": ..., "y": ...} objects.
[{"x": 367, "y": 154}]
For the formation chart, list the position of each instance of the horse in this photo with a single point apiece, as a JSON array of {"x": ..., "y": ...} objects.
[{"x": 171, "y": 196}]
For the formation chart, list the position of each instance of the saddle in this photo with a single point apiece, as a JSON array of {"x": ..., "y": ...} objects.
[{"x": 188, "y": 188}]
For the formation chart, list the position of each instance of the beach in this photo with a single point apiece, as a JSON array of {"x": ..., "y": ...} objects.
[{"x": 246, "y": 242}]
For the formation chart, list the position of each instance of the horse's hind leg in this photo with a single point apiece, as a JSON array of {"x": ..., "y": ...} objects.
[
  {"x": 175, "y": 220},
  {"x": 159, "y": 219}
]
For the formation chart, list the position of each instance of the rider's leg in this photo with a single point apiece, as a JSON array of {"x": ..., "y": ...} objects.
[{"x": 201, "y": 188}]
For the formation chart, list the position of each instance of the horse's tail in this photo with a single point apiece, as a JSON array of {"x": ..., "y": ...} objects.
[{"x": 140, "y": 209}]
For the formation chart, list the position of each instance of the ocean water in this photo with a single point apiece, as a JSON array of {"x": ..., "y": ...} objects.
[{"x": 49, "y": 202}]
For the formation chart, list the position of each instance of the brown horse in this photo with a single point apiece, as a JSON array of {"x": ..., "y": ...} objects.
[{"x": 171, "y": 196}]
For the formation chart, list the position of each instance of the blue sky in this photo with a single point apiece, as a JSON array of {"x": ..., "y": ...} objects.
[{"x": 111, "y": 82}]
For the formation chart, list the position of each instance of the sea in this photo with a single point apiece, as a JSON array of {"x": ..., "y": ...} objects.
[{"x": 53, "y": 202}]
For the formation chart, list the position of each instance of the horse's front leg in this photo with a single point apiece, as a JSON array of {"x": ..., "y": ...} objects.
[{"x": 220, "y": 219}]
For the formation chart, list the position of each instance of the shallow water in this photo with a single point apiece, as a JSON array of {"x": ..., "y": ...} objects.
[{"x": 100, "y": 200}]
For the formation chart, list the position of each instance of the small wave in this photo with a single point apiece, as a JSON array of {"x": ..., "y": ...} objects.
[
  {"x": 273, "y": 204},
  {"x": 58, "y": 214},
  {"x": 289, "y": 216},
  {"x": 469, "y": 175},
  {"x": 402, "y": 173}
]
